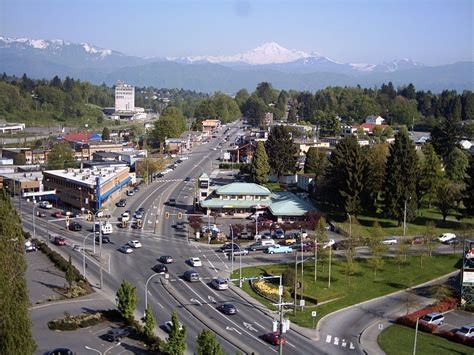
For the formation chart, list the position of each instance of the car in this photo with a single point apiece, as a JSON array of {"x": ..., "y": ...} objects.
[
  {"x": 274, "y": 338},
  {"x": 261, "y": 245},
  {"x": 130, "y": 192},
  {"x": 214, "y": 148},
  {"x": 60, "y": 241},
  {"x": 433, "y": 318},
  {"x": 60, "y": 351},
  {"x": 220, "y": 284},
  {"x": 135, "y": 243},
  {"x": 121, "y": 203},
  {"x": 184, "y": 157},
  {"x": 195, "y": 262},
  {"x": 418, "y": 240},
  {"x": 136, "y": 189},
  {"x": 75, "y": 226},
  {"x": 141, "y": 209},
  {"x": 138, "y": 215},
  {"x": 179, "y": 226},
  {"x": 172, "y": 202},
  {"x": 56, "y": 214},
  {"x": 117, "y": 334},
  {"x": 228, "y": 247},
  {"x": 187, "y": 178},
  {"x": 169, "y": 326},
  {"x": 329, "y": 243},
  {"x": 160, "y": 269},
  {"x": 66, "y": 213},
  {"x": 466, "y": 331},
  {"x": 446, "y": 237},
  {"x": 165, "y": 259},
  {"x": 135, "y": 225},
  {"x": 125, "y": 215},
  {"x": 46, "y": 205},
  {"x": 279, "y": 249},
  {"x": 389, "y": 241},
  {"x": 126, "y": 249},
  {"x": 227, "y": 308},
  {"x": 303, "y": 247},
  {"x": 191, "y": 276},
  {"x": 29, "y": 246},
  {"x": 279, "y": 233},
  {"x": 105, "y": 239},
  {"x": 454, "y": 241}
]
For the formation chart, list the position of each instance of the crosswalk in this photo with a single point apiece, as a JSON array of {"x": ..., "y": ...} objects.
[{"x": 339, "y": 342}]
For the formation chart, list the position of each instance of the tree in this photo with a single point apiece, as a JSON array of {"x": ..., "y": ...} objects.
[
  {"x": 292, "y": 115},
  {"x": 401, "y": 254},
  {"x": 456, "y": 166},
  {"x": 255, "y": 110},
  {"x": 448, "y": 196},
  {"x": 445, "y": 137},
  {"x": 281, "y": 151},
  {"x": 320, "y": 238},
  {"x": 15, "y": 324},
  {"x": 61, "y": 157},
  {"x": 241, "y": 98},
  {"x": 430, "y": 237},
  {"x": 345, "y": 175},
  {"x": 207, "y": 344},
  {"x": 176, "y": 344},
  {"x": 377, "y": 247},
  {"x": 126, "y": 300},
  {"x": 147, "y": 167},
  {"x": 374, "y": 175},
  {"x": 401, "y": 176},
  {"x": 260, "y": 167},
  {"x": 441, "y": 291},
  {"x": 316, "y": 162},
  {"x": 265, "y": 92},
  {"x": 106, "y": 134},
  {"x": 468, "y": 198},
  {"x": 70, "y": 277},
  {"x": 431, "y": 173},
  {"x": 149, "y": 322},
  {"x": 170, "y": 125}
]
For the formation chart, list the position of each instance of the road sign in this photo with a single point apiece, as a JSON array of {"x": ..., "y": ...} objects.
[
  {"x": 302, "y": 303},
  {"x": 381, "y": 326},
  {"x": 314, "y": 314},
  {"x": 226, "y": 156}
]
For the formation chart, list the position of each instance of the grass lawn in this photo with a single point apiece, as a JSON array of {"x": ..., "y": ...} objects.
[
  {"x": 362, "y": 285},
  {"x": 415, "y": 227},
  {"x": 398, "y": 340}
]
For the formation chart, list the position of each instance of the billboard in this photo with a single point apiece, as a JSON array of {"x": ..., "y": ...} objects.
[{"x": 468, "y": 278}]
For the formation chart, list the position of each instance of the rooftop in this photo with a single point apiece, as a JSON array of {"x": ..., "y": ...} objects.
[
  {"x": 88, "y": 176},
  {"x": 243, "y": 188},
  {"x": 288, "y": 204},
  {"x": 23, "y": 177}
]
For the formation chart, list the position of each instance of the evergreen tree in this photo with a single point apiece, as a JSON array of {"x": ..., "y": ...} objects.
[
  {"x": 61, "y": 157},
  {"x": 70, "y": 278},
  {"x": 265, "y": 92},
  {"x": 292, "y": 115},
  {"x": 281, "y": 151},
  {"x": 468, "y": 198},
  {"x": 374, "y": 175},
  {"x": 126, "y": 300},
  {"x": 15, "y": 324},
  {"x": 241, "y": 98},
  {"x": 176, "y": 344},
  {"x": 431, "y": 174},
  {"x": 400, "y": 178},
  {"x": 149, "y": 322},
  {"x": 106, "y": 134},
  {"x": 445, "y": 137},
  {"x": 207, "y": 344},
  {"x": 316, "y": 162},
  {"x": 456, "y": 166},
  {"x": 345, "y": 175},
  {"x": 260, "y": 167}
]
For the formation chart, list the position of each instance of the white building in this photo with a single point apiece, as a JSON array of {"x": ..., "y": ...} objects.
[
  {"x": 377, "y": 120},
  {"x": 124, "y": 97}
]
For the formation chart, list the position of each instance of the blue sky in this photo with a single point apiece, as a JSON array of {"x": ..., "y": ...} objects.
[{"x": 370, "y": 31}]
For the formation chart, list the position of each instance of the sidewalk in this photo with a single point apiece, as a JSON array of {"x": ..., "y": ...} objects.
[{"x": 369, "y": 337}]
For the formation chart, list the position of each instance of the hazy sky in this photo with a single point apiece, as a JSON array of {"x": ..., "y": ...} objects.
[{"x": 371, "y": 31}]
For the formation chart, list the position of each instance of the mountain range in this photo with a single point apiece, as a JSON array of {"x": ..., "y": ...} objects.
[{"x": 284, "y": 68}]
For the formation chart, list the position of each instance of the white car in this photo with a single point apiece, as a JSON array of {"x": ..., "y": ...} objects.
[
  {"x": 220, "y": 284},
  {"x": 169, "y": 325},
  {"x": 195, "y": 262},
  {"x": 466, "y": 331},
  {"x": 126, "y": 214},
  {"x": 184, "y": 157},
  {"x": 135, "y": 244},
  {"x": 126, "y": 249},
  {"x": 329, "y": 243},
  {"x": 46, "y": 205},
  {"x": 389, "y": 241},
  {"x": 446, "y": 237}
]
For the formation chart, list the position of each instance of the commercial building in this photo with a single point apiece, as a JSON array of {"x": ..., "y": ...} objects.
[
  {"x": 87, "y": 188},
  {"x": 124, "y": 97},
  {"x": 26, "y": 156},
  {"x": 210, "y": 126},
  {"x": 22, "y": 184}
]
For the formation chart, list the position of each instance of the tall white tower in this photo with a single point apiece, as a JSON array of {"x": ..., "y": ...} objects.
[{"x": 124, "y": 97}]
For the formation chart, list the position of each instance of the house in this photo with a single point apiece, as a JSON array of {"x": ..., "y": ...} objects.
[
  {"x": 304, "y": 145},
  {"x": 82, "y": 137},
  {"x": 305, "y": 181},
  {"x": 210, "y": 126},
  {"x": 376, "y": 120}
]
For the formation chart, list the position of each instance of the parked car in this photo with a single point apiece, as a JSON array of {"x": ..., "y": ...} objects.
[
  {"x": 279, "y": 249},
  {"x": 75, "y": 226},
  {"x": 329, "y": 243},
  {"x": 227, "y": 308},
  {"x": 169, "y": 326},
  {"x": 126, "y": 249},
  {"x": 46, "y": 205},
  {"x": 195, "y": 262},
  {"x": 305, "y": 247},
  {"x": 187, "y": 178},
  {"x": 446, "y": 237},
  {"x": 274, "y": 338},
  {"x": 117, "y": 334},
  {"x": 166, "y": 259},
  {"x": 135, "y": 243},
  {"x": 60, "y": 351},
  {"x": 136, "y": 189},
  {"x": 279, "y": 233},
  {"x": 453, "y": 241},
  {"x": 418, "y": 240},
  {"x": 262, "y": 245},
  {"x": 228, "y": 247},
  {"x": 29, "y": 246},
  {"x": 466, "y": 331},
  {"x": 59, "y": 241},
  {"x": 220, "y": 284},
  {"x": 389, "y": 241},
  {"x": 130, "y": 192},
  {"x": 160, "y": 268},
  {"x": 433, "y": 318},
  {"x": 121, "y": 203}
]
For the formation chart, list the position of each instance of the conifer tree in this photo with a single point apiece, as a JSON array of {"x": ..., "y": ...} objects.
[
  {"x": 401, "y": 176},
  {"x": 260, "y": 167},
  {"x": 468, "y": 198},
  {"x": 316, "y": 162},
  {"x": 281, "y": 151},
  {"x": 431, "y": 173},
  {"x": 208, "y": 344},
  {"x": 177, "y": 340},
  {"x": 374, "y": 175}
]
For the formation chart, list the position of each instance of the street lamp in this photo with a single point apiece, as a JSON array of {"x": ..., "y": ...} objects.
[
  {"x": 92, "y": 349},
  {"x": 405, "y": 216},
  {"x": 146, "y": 290},
  {"x": 416, "y": 333}
]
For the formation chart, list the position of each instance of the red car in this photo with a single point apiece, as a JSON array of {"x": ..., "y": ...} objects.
[
  {"x": 274, "y": 338},
  {"x": 59, "y": 241},
  {"x": 56, "y": 214}
]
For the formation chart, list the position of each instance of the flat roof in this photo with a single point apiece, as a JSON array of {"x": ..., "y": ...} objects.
[
  {"x": 243, "y": 188},
  {"x": 87, "y": 176},
  {"x": 23, "y": 177}
]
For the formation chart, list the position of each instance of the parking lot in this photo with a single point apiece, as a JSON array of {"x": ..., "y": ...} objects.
[{"x": 456, "y": 319}]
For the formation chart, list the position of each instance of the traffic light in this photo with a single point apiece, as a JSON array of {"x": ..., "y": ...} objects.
[
  {"x": 89, "y": 217},
  {"x": 139, "y": 222},
  {"x": 67, "y": 221},
  {"x": 167, "y": 215},
  {"x": 180, "y": 215}
]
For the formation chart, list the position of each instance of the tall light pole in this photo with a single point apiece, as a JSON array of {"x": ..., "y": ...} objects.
[
  {"x": 405, "y": 216},
  {"x": 146, "y": 290},
  {"x": 416, "y": 333},
  {"x": 92, "y": 349},
  {"x": 232, "y": 256}
]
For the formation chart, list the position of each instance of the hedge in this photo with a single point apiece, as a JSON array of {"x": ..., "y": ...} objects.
[
  {"x": 74, "y": 322},
  {"x": 457, "y": 338}
]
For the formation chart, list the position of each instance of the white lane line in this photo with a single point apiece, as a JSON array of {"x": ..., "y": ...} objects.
[
  {"x": 209, "y": 261},
  {"x": 328, "y": 338},
  {"x": 158, "y": 303},
  {"x": 261, "y": 326},
  {"x": 227, "y": 268},
  {"x": 287, "y": 342}
]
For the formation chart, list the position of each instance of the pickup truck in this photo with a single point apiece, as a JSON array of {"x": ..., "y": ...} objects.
[{"x": 279, "y": 249}]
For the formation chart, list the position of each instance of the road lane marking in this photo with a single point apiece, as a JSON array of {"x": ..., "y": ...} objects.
[
  {"x": 193, "y": 300},
  {"x": 328, "y": 338},
  {"x": 209, "y": 261},
  {"x": 336, "y": 341},
  {"x": 261, "y": 326},
  {"x": 233, "y": 329},
  {"x": 287, "y": 342}
]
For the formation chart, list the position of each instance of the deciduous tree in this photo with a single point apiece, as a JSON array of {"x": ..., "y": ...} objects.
[
  {"x": 377, "y": 247},
  {"x": 448, "y": 197},
  {"x": 207, "y": 344},
  {"x": 61, "y": 157},
  {"x": 126, "y": 300},
  {"x": 106, "y": 134},
  {"x": 149, "y": 322},
  {"x": 456, "y": 166},
  {"x": 176, "y": 344}
]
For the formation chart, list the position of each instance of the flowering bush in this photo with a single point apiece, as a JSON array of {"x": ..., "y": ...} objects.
[{"x": 458, "y": 338}]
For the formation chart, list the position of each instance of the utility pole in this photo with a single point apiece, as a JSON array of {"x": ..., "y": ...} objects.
[
  {"x": 405, "y": 218},
  {"x": 296, "y": 282}
]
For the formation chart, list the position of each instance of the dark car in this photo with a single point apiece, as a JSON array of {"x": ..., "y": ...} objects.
[
  {"x": 59, "y": 241},
  {"x": 160, "y": 269},
  {"x": 122, "y": 203},
  {"x": 117, "y": 334},
  {"x": 227, "y": 308},
  {"x": 274, "y": 338},
  {"x": 60, "y": 351},
  {"x": 165, "y": 259},
  {"x": 187, "y": 178},
  {"x": 418, "y": 240},
  {"x": 105, "y": 239},
  {"x": 135, "y": 225},
  {"x": 228, "y": 247},
  {"x": 172, "y": 202},
  {"x": 56, "y": 214},
  {"x": 75, "y": 226}
]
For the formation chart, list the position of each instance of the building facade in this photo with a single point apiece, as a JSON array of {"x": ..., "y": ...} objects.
[
  {"x": 124, "y": 97},
  {"x": 28, "y": 155}
]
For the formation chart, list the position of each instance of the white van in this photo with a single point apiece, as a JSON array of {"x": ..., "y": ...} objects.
[
  {"x": 262, "y": 244},
  {"x": 106, "y": 228}
]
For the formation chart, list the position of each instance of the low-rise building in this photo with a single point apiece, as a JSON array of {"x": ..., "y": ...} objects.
[
  {"x": 11, "y": 127},
  {"x": 26, "y": 156},
  {"x": 87, "y": 188},
  {"x": 210, "y": 126},
  {"x": 305, "y": 181},
  {"x": 23, "y": 183},
  {"x": 376, "y": 120}
]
